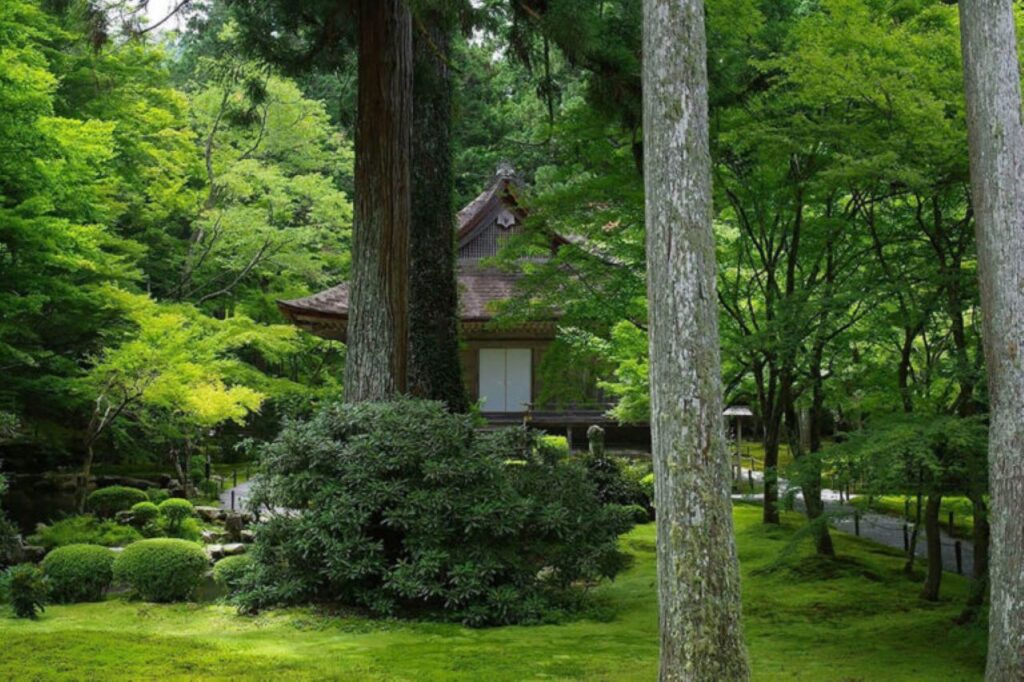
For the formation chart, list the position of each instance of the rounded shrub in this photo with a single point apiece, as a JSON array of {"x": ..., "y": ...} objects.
[
  {"x": 161, "y": 569},
  {"x": 175, "y": 511},
  {"x": 78, "y": 573},
  {"x": 144, "y": 513},
  {"x": 108, "y": 501},
  {"x": 230, "y": 571}
]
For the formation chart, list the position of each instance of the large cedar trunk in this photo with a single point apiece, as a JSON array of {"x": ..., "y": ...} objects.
[
  {"x": 378, "y": 328},
  {"x": 698, "y": 573},
  {"x": 930, "y": 591},
  {"x": 434, "y": 369},
  {"x": 996, "y": 140}
]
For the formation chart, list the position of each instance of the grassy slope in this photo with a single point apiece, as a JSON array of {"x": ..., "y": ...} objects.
[{"x": 860, "y": 621}]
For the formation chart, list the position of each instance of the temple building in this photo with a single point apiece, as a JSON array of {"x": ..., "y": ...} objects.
[{"x": 499, "y": 362}]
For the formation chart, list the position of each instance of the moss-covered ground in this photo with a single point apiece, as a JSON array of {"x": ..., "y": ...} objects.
[{"x": 856, "y": 619}]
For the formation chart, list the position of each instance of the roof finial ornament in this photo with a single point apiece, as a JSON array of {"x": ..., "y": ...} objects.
[{"x": 505, "y": 169}]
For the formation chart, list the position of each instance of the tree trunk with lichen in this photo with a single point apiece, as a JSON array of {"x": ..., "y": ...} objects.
[
  {"x": 434, "y": 368},
  {"x": 996, "y": 142},
  {"x": 698, "y": 573},
  {"x": 378, "y": 330}
]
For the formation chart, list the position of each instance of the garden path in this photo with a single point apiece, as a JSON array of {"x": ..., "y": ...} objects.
[{"x": 880, "y": 528}]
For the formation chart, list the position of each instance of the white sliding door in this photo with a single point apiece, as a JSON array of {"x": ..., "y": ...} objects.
[{"x": 505, "y": 379}]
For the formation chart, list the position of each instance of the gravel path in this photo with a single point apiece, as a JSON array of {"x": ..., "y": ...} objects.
[
  {"x": 880, "y": 528},
  {"x": 241, "y": 492}
]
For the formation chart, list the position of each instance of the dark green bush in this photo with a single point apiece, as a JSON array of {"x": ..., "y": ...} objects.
[
  {"x": 8, "y": 531},
  {"x": 619, "y": 481},
  {"x": 230, "y": 572},
  {"x": 84, "y": 530},
  {"x": 174, "y": 511},
  {"x": 78, "y": 573},
  {"x": 157, "y": 495},
  {"x": 144, "y": 513},
  {"x": 406, "y": 509},
  {"x": 26, "y": 588},
  {"x": 106, "y": 502},
  {"x": 162, "y": 569},
  {"x": 209, "y": 489}
]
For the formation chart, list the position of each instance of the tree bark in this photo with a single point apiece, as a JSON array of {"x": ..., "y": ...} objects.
[
  {"x": 996, "y": 141},
  {"x": 698, "y": 572},
  {"x": 930, "y": 591},
  {"x": 434, "y": 368},
  {"x": 378, "y": 331}
]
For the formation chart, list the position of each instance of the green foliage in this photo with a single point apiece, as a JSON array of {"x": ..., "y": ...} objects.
[
  {"x": 144, "y": 513},
  {"x": 618, "y": 482},
  {"x": 157, "y": 495},
  {"x": 553, "y": 447},
  {"x": 404, "y": 508},
  {"x": 105, "y": 502},
  {"x": 8, "y": 531},
  {"x": 230, "y": 572},
  {"x": 162, "y": 569},
  {"x": 26, "y": 588},
  {"x": 86, "y": 529},
  {"x": 78, "y": 573},
  {"x": 175, "y": 511}
]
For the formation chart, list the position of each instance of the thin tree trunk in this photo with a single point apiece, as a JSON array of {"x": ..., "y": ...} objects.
[
  {"x": 996, "y": 141},
  {"x": 979, "y": 586},
  {"x": 434, "y": 368},
  {"x": 698, "y": 572},
  {"x": 930, "y": 591},
  {"x": 378, "y": 331}
]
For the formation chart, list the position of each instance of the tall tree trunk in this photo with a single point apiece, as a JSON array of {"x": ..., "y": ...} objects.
[
  {"x": 434, "y": 368},
  {"x": 996, "y": 140},
  {"x": 930, "y": 591},
  {"x": 698, "y": 572},
  {"x": 378, "y": 328}
]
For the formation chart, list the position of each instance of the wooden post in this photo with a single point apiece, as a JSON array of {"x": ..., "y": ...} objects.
[
  {"x": 951, "y": 524},
  {"x": 750, "y": 479},
  {"x": 856, "y": 522},
  {"x": 906, "y": 538},
  {"x": 232, "y": 499},
  {"x": 958, "y": 552}
]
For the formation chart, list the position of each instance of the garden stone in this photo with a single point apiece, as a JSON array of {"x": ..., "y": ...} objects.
[
  {"x": 215, "y": 551},
  {"x": 125, "y": 517},
  {"x": 234, "y": 549},
  {"x": 248, "y": 536},
  {"x": 233, "y": 524},
  {"x": 208, "y": 514}
]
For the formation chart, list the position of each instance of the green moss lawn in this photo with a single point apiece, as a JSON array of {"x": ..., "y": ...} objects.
[{"x": 859, "y": 619}]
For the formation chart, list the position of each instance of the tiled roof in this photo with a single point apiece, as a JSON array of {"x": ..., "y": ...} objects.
[{"x": 479, "y": 290}]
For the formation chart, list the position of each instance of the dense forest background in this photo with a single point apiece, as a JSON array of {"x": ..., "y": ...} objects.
[{"x": 159, "y": 190}]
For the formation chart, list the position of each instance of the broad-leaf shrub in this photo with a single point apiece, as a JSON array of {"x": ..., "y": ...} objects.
[
  {"x": 162, "y": 569},
  {"x": 403, "y": 508},
  {"x": 619, "y": 481},
  {"x": 230, "y": 572},
  {"x": 78, "y": 573},
  {"x": 105, "y": 502},
  {"x": 26, "y": 588}
]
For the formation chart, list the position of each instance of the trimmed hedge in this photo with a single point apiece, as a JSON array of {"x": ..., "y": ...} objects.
[
  {"x": 108, "y": 501},
  {"x": 84, "y": 530},
  {"x": 175, "y": 511},
  {"x": 230, "y": 571},
  {"x": 157, "y": 495},
  {"x": 162, "y": 569},
  {"x": 144, "y": 512},
  {"x": 78, "y": 573}
]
